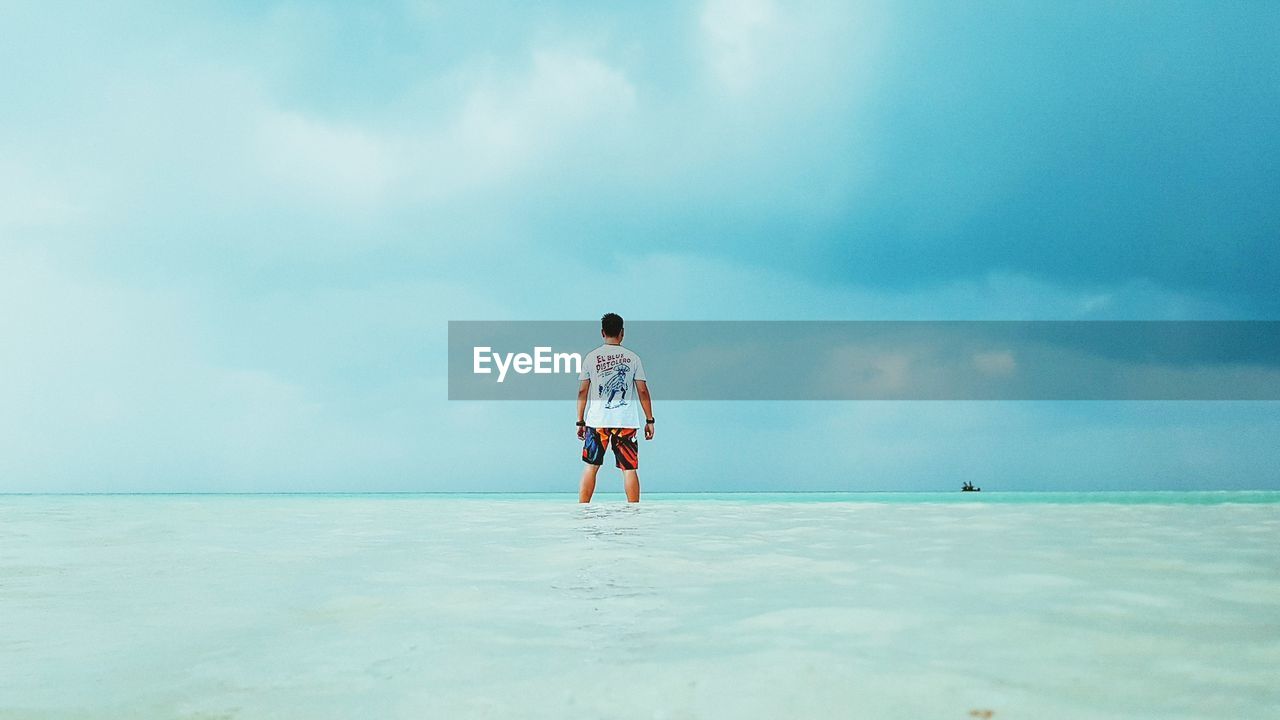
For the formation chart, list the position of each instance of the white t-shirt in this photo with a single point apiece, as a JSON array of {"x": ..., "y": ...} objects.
[{"x": 611, "y": 399}]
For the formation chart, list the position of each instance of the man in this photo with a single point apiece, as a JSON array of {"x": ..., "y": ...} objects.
[{"x": 611, "y": 391}]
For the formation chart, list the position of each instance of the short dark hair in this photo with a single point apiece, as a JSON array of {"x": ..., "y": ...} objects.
[{"x": 611, "y": 324}]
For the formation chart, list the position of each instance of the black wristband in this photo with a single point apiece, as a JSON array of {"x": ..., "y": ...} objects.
[
  {"x": 649, "y": 420},
  {"x": 580, "y": 424}
]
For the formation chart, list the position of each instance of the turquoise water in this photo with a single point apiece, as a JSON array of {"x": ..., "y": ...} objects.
[
  {"x": 1126, "y": 497},
  {"x": 759, "y": 605}
]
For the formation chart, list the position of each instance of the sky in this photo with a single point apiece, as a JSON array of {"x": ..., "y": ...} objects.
[{"x": 232, "y": 233}]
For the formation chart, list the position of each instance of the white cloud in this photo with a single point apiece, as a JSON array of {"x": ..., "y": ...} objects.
[
  {"x": 738, "y": 35},
  {"x": 499, "y": 127},
  {"x": 106, "y": 386},
  {"x": 31, "y": 199},
  {"x": 323, "y": 161},
  {"x": 507, "y": 125}
]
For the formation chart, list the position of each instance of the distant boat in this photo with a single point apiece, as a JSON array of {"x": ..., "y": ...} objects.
[{"x": 968, "y": 487}]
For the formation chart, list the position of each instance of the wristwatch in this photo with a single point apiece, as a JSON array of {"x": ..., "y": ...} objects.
[
  {"x": 580, "y": 424},
  {"x": 648, "y": 421}
]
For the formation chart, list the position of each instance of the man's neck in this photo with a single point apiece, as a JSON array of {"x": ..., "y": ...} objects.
[{"x": 612, "y": 341}]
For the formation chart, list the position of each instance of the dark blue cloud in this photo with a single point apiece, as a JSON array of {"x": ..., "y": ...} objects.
[{"x": 1082, "y": 143}]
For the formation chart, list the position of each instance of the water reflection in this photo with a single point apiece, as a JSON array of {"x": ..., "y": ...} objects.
[
  {"x": 611, "y": 522},
  {"x": 608, "y": 590}
]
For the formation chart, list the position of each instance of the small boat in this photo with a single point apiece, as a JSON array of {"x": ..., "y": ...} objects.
[{"x": 968, "y": 487}]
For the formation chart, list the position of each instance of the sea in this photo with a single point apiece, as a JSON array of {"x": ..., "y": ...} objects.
[{"x": 1161, "y": 605}]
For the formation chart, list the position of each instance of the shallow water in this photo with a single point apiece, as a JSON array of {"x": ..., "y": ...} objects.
[{"x": 1112, "y": 605}]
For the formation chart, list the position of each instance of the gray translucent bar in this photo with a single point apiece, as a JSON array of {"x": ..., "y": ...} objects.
[{"x": 884, "y": 360}]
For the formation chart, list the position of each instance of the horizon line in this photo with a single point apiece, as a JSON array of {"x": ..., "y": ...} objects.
[{"x": 573, "y": 492}]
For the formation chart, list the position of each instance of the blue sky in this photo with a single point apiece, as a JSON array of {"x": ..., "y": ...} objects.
[{"x": 231, "y": 234}]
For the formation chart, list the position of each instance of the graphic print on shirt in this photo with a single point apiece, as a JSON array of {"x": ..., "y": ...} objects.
[
  {"x": 612, "y": 403},
  {"x": 615, "y": 388}
]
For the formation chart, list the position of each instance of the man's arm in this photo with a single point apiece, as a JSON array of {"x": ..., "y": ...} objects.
[
  {"x": 642, "y": 390},
  {"x": 583, "y": 387}
]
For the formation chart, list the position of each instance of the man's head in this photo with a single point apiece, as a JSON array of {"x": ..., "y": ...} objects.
[{"x": 611, "y": 326}]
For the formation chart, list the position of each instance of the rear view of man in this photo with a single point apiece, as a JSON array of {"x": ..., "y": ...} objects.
[{"x": 611, "y": 392}]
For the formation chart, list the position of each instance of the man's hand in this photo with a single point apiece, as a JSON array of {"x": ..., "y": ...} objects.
[
  {"x": 582, "y": 433},
  {"x": 648, "y": 431}
]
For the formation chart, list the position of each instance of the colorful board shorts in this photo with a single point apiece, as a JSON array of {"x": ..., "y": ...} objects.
[{"x": 626, "y": 451}]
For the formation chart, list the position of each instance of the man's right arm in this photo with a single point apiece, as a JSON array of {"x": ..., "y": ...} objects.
[{"x": 583, "y": 387}]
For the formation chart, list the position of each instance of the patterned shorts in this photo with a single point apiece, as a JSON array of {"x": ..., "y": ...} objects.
[{"x": 626, "y": 451}]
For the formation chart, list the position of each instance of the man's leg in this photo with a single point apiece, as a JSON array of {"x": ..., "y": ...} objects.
[
  {"x": 631, "y": 483},
  {"x": 626, "y": 454},
  {"x": 593, "y": 447},
  {"x": 588, "y": 482}
]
